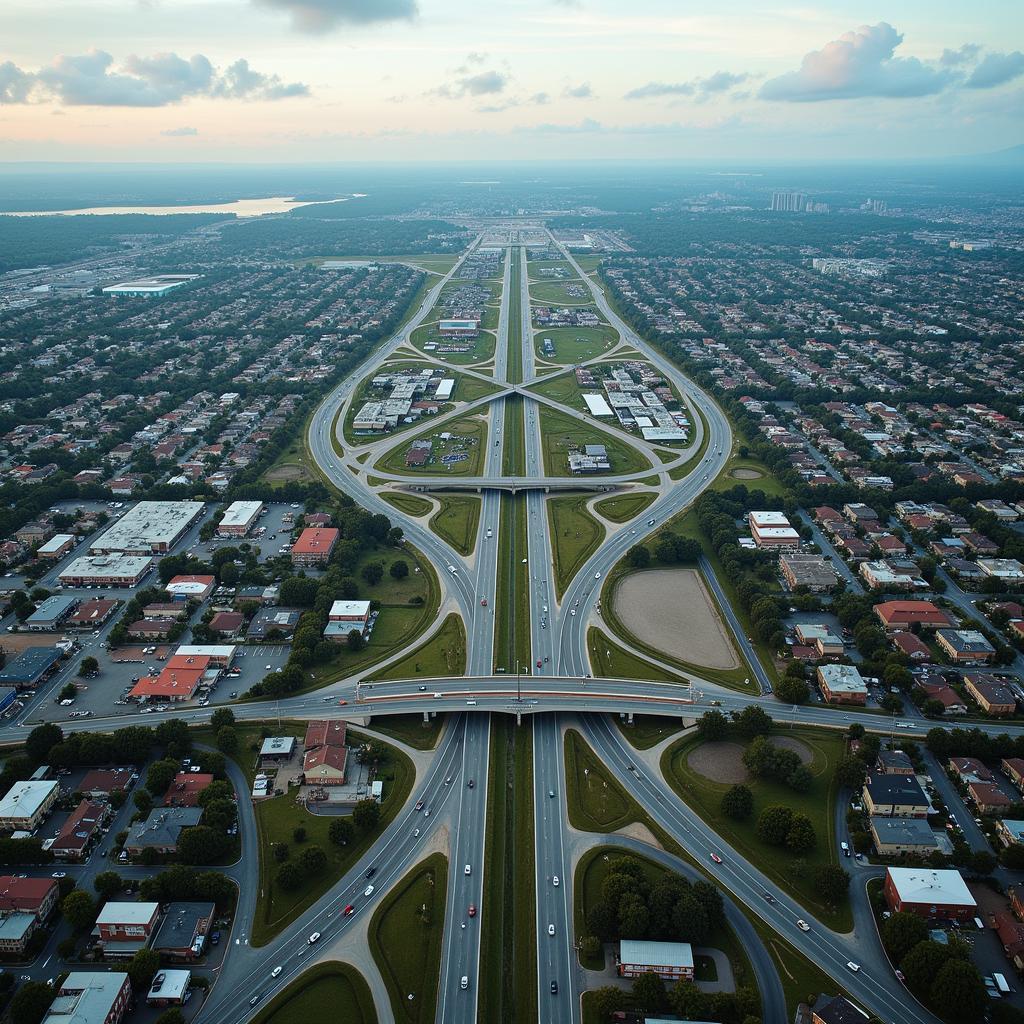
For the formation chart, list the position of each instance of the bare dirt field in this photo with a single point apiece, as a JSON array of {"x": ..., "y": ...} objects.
[
  {"x": 746, "y": 474},
  {"x": 722, "y": 761},
  {"x": 671, "y": 610},
  {"x": 285, "y": 472}
]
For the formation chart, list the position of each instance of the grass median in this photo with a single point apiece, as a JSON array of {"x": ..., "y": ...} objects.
[
  {"x": 444, "y": 654},
  {"x": 458, "y": 521},
  {"x": 575, "y": 536},
  {"x": 512, "y": 624},
  {"x": 329, "y": 990},
  {"x": 624, "y": 507},
  {"x": 405, "y": 939}
]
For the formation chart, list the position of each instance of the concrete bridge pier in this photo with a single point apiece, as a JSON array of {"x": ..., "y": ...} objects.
[
  {"x": 427, "y": 716},
  {"x": 365, "y": 720}
]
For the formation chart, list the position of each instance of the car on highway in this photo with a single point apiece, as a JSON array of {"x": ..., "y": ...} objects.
[
  {"x": 256, "y": 998},
  {"x": 539, "y": 662},
  {"x": 314, "y": 938},
  {"x": 803, "y": 925},
  {"x": 342, "y": 702},
  {"x": 768, "y": 897},
  {"x": 464, "y": 983},
  {"x": 650, "y": 522},
  {"x": 551, "y": 929},
  {"x": 597, "y": 575},
  {"x": 467, "y": 870},
  {"x": 554, "y": 988},
  {"x": 853, "y": 967},
  {"x": 472, "y": 910},
  {"x": 368, "y": 891},
  {"x": 554, "y": 881},
  {"x": 437, "y": 696},
  {"x": 59, "y": 874},
  {"x": 419, "y": 805},
  {"x": 470, "y": 783},
  {"x": 415, "y": 833},
  {"x": 716, "y": 858},
  {"x": 276, "y": 971},
  {"x": 370, "y": 872},
  {"x": 483, "y": 602},
  {"x": 349, "y": 910}
]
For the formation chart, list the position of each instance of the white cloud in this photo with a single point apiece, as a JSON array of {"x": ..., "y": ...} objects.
[
  {"x": 858, "y": 64},
  {"x": 996, "y": 69},
  {"x": 321, "y": 15},
  {"x": 179, "y": 133},
  {"x": 482, "y": 83},
  {"x": 964, "y": 55},
  {"x": 703, "y": 88},
  {"x": 578, "y": 92}
]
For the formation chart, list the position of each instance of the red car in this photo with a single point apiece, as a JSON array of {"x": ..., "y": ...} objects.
[
  {"x": 483, "y": 601},
  {"x": 349, "y": 910},
  {"x": 716, "y": 858},
  {"x": 342, "y": 702},
  {"x": 472, "y": 910},
  {"x": 539, "y": 663}
]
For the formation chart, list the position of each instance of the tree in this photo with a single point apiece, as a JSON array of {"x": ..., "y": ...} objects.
[
  {"x": 982, "y": 862},
  {"x": 227, "y": 739},
  {"x": 399, "y": 569},
  {"x": 774, "y": 823},
  {"x": 922, "y": 964},
  {"x": 366, "y": 814},
  {"x": 31, "y": 1002},
  {"x": 713, "y": 725},
  {"x": 738, "y": 802},
  {"x": 40, "y": 741},
  {"x": 958, "y": 992},
  {"x": 638, "y": 557},
  {"x": 142, "y": 968},
  {"x": 851, "y": 772},
  {"x": 108, "y": 884},
  {"x": 222, "y": 717},
  {"x": 313, "y": 861},
  {"x": 1013, "y": 857},
  {"x": 341, "y": 831},
  {"x": 831, "y": 883},
  {"x": 606, "y": 1001},
  {"x": 143, "y": 801},
  {"x": 752, "y": 721},
  {"x": 355, "y": 640},
  {"x": 800, "y": 838},
  {"x": 634, "y": 917},
  {"x": 901, "y": 933},
  {"x": 161, "y": 775},
  {"x": 90, "y": 666},
  {"x": 299, "y": 834},
  {"x": 649, "y": 992},
  {"x": 792, "y": 691},
  {"x": 171, "y": 1016},
  {"x": 79, "y": 908},
  {"x": 372, "y": 572},
  {"x": 200, "y": 845},
  {"x": 289, "y": 876}
]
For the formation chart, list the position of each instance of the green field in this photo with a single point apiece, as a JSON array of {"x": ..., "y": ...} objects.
[
  {"x": 649, "y": 730},
  {"x": 277, "y": 819},
  {"x": 515, "y": 321},
  {"x": 559, "y": 433},
  {"x": 480, "y": 348},
  {"x": 611, "y": 661},
  {"x": 513, "y": 453},
  {"x": 725, "y": 481},
  {"x": 624, "y": 507},
  {"x": 576, "y": 344},
  {"x": 508, "y": 980},
  {"x": 408, "y": 503},
  {"x": 334, "y": 990},
  {"x": 557, "y": 293},
  {"x": 412, "y": 730},
  {"x": 405, "y": 939},
  {"x": 535, "y": 267},
  {"x": 575, "y": 536},
  {"x": 818, "y": 803},
  {"x": 512, "y": 614},
  {"x": 457, "y": 521},
  {"x": 469, "y": 435},
  {"x": 444, "y": 654}
]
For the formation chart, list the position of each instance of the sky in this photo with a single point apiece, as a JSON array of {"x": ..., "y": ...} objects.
[{"x": 409, "y": 80}]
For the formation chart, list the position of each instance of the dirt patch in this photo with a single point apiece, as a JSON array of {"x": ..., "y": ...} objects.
[
  {"x": 797, "y": 746},
  {"x": 639, "y": 832},
  {"x": 285, "y": 472},
  {"x": 746, "y": 474},
  {"x": 671, "y": 610},
  {"x": 719, "y": 761}
]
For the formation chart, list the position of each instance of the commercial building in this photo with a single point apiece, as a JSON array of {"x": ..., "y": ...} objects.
[
  {"x": 1013, "y": 769},
  {"x": 1006, "y": 569},
  {"x": 842, "y": 684},
  {"x": 994, "y": 697},
  {"x": 184, "y": 790},
  {"x": 105, "y": 571},
  {"x": 29, "y": 668},
  {"x": 101, "y": 782},
  {"x": 895, "y": 796},
  {"x": 267, "y": 620},
  {"x": 27, "y": 804},
  {"x": 172, "y": 684},
  {"x": 894, "y": 762},
  {"x": 899, "y": 836},
  {"x": 772, "y": 530},
  {"x": 837, "y": 1010},
  {"x": 25, "y": 904},
  {"x": 150, "y": 287},
  {"x": 124, "y": 928},
  {"x": 161, "y": 830},
  {"x": 51, "y": 612},
  {"x": 988, "y": 798},
  {"x": 169, "y": 988},
  {"x": 183, "y": 930},
  {"x": 57, "y": 546},
  {"x": 314, "y": 546},
  {"x": 597, "y": 406},
  {"x": 458, "y": 328},
  {"x": 81, "y": 828},
  {"x": 965, "y": 646},
  {"x": 934, "y": 894},
  {"x": 190, "y": 587},
  {"x": 276, "y": 749},
  {"x": 92, "y": 613},
  {"x": 150, "y": 528},
  {"x": 669, "y": 960},
  {"x": 812, "y": 572},
  {"x": 900, "y": 615},
  {"x": 1010, "y": 831},
  {"x": 91, "y": 997},
  {"x": 352, "y": 614},
  {"x": 15, "y": 932},
  {"x": 239, "y": 518},
  {"x": 325, "y": 766}
]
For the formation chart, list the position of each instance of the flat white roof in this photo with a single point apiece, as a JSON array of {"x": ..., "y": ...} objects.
[
  {"x": 241, "y": 513},
  {"x": 24, "y": 799},
  {"x": 843, "y": 678},
  {"x": 647, "y": 953},
  {"x": 206, "y": 650},
  {"x": 117, "y": 912},
  {"x": 351, "y": 609},
  {"x": 55, "y": 543},
  {"x": 187, "y": 587},
  {"x": 101, "y": 566},
  {"x": 920, "y": 885},
  {"x": 173, "y": 985},
  {"x": 148, "y": 524},
  {"x": 763, "y": 519},
  {"x": 597, "y": 406},
  {"x": 277, "y": 745}
]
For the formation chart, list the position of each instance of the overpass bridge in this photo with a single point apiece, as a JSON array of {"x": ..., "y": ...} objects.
[{"x": 514, "y": 485}]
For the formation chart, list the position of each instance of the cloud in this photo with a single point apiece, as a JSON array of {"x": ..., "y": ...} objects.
[
  {"x": 655, "y": 89},
  {"x": 721, "y": 81},
  {"x": 703, "y": 88},
  {"x": 858, "y": 64},
  {"x": 322, "y": 15},
  {"x": 996, "y": 69},
  {"x": 540, "y": 98},
  {"x": 165, "y": 78},
  {"x": 953, "y": 58},
  {"x": 179, "y": 133},
  {"x": 587, "y": 125},
  {"x": 578, "y": 92},
  {"x": 483, "y": 83}
]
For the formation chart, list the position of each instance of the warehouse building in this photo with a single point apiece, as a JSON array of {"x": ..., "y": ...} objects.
[
  {"x": 27, "y": 804},
  {"x": 933, "y": 894},
  {"x": 669, "y": 960},
  {"x": 150, "y": 287},
  {"x": 239, "y": 518},
  {"x": 91, "y": 997},
  {"x": 105, "y": 571},
  {"x": 57, "y": 546},
  {"x": 30, "y": 667},
  {"x": 151, "y": 528},
  {"x": 51, "y": 612}
]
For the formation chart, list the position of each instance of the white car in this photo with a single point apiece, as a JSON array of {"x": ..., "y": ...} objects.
[
  {"x": 464, "y": 983},
  {"x": 803, "y": 925},
  {"x": 551, "y": 929},
  {"x": 853, "y": 967},
  {"x": 468, "y": 870},
  {"x": 554, "y": 881},
  {"x": 276, "y": 971},
  {"x": 315, "y": 937},
  {"x": 368, "y": 891}
]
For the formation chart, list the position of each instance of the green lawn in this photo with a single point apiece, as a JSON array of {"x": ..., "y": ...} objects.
[
  {"x": 405, "y": 939},
  {"x": 412, "y": 730},
  {"x": 575, "y": 536},
  {"x": 480, "y": 348},
  {"x": 535, "y": 267},
  {"x": 725, "y": 481},
  {"x": 597, "y": 801},
  {"x": 512, "y": 611},
  {"x": 444, "y": 654},
  {"x": 292, "y": 464},
  {"x": 408, "y": 503},
  {"x": 560, "y": 433},
  {"x": 649, "y": 730},
  {"x": 508, "y": 980},
  {"x": 610, "y": 660},
  {"x": 334, "y": 990},
  {"x": 576, "y": 344},
  {"x": 790, "y": 873},
  {"x": 557, "y": 293},
  {"x": 457, "y": 521},
  {"x": 624, "y": 507},
  {"x": 276, "y": 820},
  {"x": 513, "y": 453},
  {"x": 515, "y": 321},
  {"x": 469, "y": 389},
  {"x": 468, "y": 436}
]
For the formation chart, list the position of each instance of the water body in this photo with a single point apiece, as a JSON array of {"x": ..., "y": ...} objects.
[{"x": 238, "y": 207}]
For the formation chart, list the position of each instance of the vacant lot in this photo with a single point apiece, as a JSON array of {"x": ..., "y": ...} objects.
[
  {"x": 671, "y": 610},
  {"x": 723, "y": 761}
]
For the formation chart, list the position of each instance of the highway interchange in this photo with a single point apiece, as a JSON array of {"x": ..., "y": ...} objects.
[{"x": 554, "y": 690}]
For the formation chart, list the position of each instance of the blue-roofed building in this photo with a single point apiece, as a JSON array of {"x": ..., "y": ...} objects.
[
  {"x": 30, "y": 667},
  {"x": 52, "y": 612}
]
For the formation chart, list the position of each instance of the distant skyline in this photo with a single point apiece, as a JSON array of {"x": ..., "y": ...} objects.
[{"x": 393, "y": 80}]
